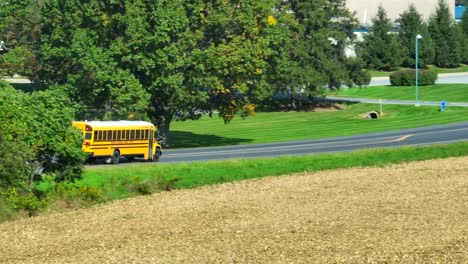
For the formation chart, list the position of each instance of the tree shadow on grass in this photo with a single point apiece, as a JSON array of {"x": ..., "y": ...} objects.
[{"x": 183, "y": 139}]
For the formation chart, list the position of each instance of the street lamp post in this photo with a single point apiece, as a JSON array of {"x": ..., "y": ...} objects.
[{"x": 418, "y": 37}]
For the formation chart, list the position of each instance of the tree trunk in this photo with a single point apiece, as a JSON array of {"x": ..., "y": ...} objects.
[{"x": 163, "y": 125}]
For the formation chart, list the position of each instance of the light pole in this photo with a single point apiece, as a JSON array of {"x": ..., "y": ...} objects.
[{"x": 418, "y": 37}]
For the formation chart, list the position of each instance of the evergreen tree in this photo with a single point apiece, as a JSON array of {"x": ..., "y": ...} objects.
[
  {"x": 381, "y": 49},
  {"x": 412, "y": 24},
  {"x": 445, "y": 37},
  {"x": 464, "y": 38},
  {"x": 321, "y": 34}
]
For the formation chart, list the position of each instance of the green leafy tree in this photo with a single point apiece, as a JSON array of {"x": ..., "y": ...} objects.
[
  {"x": 56, "y": 144},
  {"x": 20, "y": 33},
  {"x": 381, "y": 49},
  {"x": 164, "y": 60},
  {"x": 16, "y": 153},
  {"x": 412, "y": 24},
  {"x": 445, "y": 37},
  {"x": 9, "y": 8},
  {"x": 82, "y": 47},
  {"x": 37, "y": 137},
  {"x": 242, "y": 48},
  {"x": 19, "y": 60},
  {"x": 20, "y": 23}
]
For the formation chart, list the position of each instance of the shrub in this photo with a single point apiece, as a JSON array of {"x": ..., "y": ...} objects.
[
  {"x": 6, "y": 210},
  {"x": 16, "y": 200},
  {"x": 149, "y": 186},
  {"x": 71, "y": 192},
  {"x": 165, "y": 184},
  {"x": 143, "y": 188},
  {"x": 407, "y": 77}
]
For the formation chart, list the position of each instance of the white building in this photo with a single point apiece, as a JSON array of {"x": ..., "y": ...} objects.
[{"x": 366, "y": 10}]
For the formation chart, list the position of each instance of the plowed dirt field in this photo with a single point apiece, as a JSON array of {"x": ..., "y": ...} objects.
[{"x": 416, "y": 212}]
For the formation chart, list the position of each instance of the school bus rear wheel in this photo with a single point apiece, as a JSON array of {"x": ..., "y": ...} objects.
[{"x": 115, "y": 157}]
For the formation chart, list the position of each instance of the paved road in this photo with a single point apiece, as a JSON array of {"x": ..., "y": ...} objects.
[
  {"x": 16, "y": 80},
  {"x": 409, "y": 137},
  {"x": 459, "y": 77},
  {"x": 398, "y": 102}
]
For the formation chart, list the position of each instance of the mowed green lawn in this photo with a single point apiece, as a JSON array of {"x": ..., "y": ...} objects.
[
  {"x": 438, "y": 92},
  {"x": 286, "y": 126}
]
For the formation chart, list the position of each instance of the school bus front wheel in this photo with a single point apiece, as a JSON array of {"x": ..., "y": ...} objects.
[{"x": 157, "y": 154}]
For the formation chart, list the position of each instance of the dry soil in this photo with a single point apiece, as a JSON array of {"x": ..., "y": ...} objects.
[{"x": 410, "y": 213}]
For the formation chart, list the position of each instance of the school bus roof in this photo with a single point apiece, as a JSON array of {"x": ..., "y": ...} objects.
[{"x": 119, "y": 124}]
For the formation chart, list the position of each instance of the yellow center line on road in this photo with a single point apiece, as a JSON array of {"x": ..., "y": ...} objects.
[{"x": 402, "y": 138}]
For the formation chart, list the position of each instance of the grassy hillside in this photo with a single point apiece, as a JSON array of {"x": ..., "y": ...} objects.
[{"x": 285, "y": 126}]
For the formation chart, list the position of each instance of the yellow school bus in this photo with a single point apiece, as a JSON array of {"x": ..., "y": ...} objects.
[{"x": 111, "y": 140}]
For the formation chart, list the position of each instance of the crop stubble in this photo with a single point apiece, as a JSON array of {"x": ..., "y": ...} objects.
[{"x": 414, "y": 212}]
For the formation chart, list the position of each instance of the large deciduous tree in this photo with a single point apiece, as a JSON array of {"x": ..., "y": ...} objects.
[
  {"x": 161, "y": 59},
  {"x": 381, "y": 49},
  {"x": 445, "y": 37},
  {"x": 412, "y": 24},
  {"x": 82, "y": 42},
  {"x": 243, "y": 46}
]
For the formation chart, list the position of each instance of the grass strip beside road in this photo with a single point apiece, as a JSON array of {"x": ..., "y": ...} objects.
[
  {"x": 437, "y": 93},
  {"x": 112, "y": 181},
  {"x": 288, "y": 126}
]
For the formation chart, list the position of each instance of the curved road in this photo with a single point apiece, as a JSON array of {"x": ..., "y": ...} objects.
[
  {"x": 456, "y": 77},
  {"x": 409, "y": 137},
  {"x": 398, "y": 102},
  {"x": 439, "y": 134}
]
